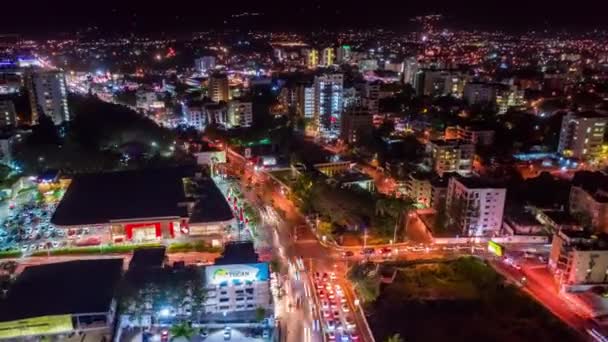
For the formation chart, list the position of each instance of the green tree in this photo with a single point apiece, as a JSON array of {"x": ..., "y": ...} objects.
[
  {"x": 260, "y": 314},
  {"x": 394, "y": 338},
  {"x": 275, "y": 265},
  {"x": 181, "y": 329}
]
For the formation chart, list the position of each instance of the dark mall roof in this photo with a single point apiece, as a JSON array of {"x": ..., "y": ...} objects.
[
  {"x": 72, "y": 287},
  {"x": 147, "y": 258},
  {"x": 240, "y": 252},
  {"x": 101, "y": 197},
  {"x": 210, "y": 206}
]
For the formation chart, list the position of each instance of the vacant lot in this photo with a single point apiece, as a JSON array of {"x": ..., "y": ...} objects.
[{"x": 461, "y": 300}]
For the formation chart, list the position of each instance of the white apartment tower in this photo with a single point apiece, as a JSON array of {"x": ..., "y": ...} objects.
[
  {"x": 328, "y": 103},
  {"x": 582, "y": 135},
  {"x": 48, "y": 95},
  {"x": 475, "y": 206}
]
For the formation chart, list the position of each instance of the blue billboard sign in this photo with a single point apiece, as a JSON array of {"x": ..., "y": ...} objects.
[{"x": 236, "y": 273}]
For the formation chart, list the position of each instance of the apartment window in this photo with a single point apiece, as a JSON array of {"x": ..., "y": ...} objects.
[
  {"x": 224, "y": 300},
  {"x": 239, "y": 299},
  {"x": 224, "y": 307},
  {"x": 249, "y": 298},
  {"x": 249, "y": 305}
]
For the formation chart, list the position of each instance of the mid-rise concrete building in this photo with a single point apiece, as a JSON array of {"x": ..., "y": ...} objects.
[
  {"x": 311, "y": 58},
  {"x": 589, "y": 198},
  {"x": 343, "y": 54},
  {"x": 430, "y": 82},
  {"x": 476, "y": 135},
  {"x": 475, "y": 206},
  {"x": 418, "y": 188},
  {"x": 582, "y": 135},
  {"x": 578, "y": 259},
  {"x": 479, "y": 93},
  {"x": 451, "y": 156},
  {"x": 356, "y": 125},
  {"x": 328, "y": 57},
  {"x": 48, "y": 95},
  {"x": 218, "y": 88},
  {"x": 240, "y": 113}
]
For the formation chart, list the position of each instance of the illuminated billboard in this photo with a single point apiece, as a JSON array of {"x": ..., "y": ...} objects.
[
  {"x": 45, "y": 325},
  {"x": 495, "y": 248},
  {"x": 236, "y": 273}
]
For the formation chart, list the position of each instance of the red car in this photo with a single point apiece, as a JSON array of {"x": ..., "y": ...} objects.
[
  {"x": 385, "y": 250},
  {"x": 164, "y": 335}
]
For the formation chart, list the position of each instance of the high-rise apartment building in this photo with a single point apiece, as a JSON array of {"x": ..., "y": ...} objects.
[
  {"x": 582, "y": 135},
  {"x": 343, "y": 54},
  {"x": 328, "y": 57},
  {"x": 328, "y": 103},
  {"x": 430, "y": 82},
  {"x": 48, "y": 95},
  {"x": 475, "y": 206},
  {"x": 451, "y": 156},
  {"x": 311, "y": 57},
  {"x": 410, "y": 68},
  {"x": 240, "y": 113},
  {"x": 306, "y": 100},
  {"x": 218, "y": 88}
]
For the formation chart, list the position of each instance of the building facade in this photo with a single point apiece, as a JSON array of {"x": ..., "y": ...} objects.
[
  {"x": 329, "y": 104},
  {"x": 218, "y": 88},
  {"x": 48, "y": 95},
  {"x": 576, "y": 258},
  {"x": 475, "y": 206},
  {"x": 240, "y": 113},
  {"x": 592, "y": 204},
  {"x": 356, "y": 125},
  {"x": 328, "y": 57},
  {"x": 582, "y": 135},
  {"x": 451, "y": 156}
]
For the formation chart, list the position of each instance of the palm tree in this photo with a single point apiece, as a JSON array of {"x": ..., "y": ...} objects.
[
  {"x": 182, "y": 329},
  {"x": 394, "y": 338}
]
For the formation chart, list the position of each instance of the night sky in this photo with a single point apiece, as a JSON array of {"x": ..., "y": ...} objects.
[{"x": 40, "y": 16}]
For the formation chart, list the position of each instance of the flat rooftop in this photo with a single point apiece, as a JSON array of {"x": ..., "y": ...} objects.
[
  {"x": 73, "y": 287},
  {"x": 210, "y": 206},
  {"x": 479, "y": 183},
  {"x": 102, "y": 197}
]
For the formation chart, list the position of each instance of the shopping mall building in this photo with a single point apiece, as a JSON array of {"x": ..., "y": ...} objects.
[{"x": 144, "y": 205}]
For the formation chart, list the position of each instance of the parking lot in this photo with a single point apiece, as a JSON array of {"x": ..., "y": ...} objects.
[{"x": 28, "y": 228}]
